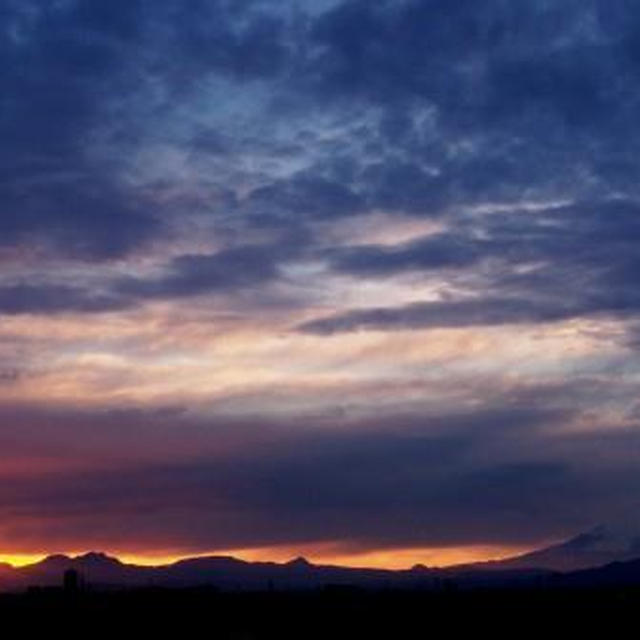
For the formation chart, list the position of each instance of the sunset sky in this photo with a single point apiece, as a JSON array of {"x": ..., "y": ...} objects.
[{"x": 352, "y": 279}]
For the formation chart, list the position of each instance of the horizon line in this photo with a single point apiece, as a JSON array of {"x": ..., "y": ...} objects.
[{"x": 404, "y": 559}]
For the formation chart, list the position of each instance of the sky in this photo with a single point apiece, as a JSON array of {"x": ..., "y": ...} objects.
[{"x": 349, "y": 279}]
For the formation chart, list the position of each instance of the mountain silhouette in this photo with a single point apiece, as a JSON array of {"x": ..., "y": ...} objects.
[
  {"x": 596, "y": 547},
  {"x": 299, "y": 563},
  {"x": 606, "y": 555},
  {"x": 618, "y": 574},
  {"x": 224, "y": 572}
]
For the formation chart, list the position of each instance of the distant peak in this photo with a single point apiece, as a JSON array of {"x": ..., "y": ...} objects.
[
  {"x": 587, "y": 538},
  {"x": 55, "y": 558},
  {"x": 53, "y": 562},
  {"x": 97, "y": 557},
  {"x": 220, "y": 561},
  {"x": 299, "y": 562}
]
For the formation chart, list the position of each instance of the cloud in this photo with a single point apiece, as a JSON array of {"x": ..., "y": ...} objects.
[
  {"x": 77, "y": 218},
  {"x": 468, "y": 104},
  {"x": 47, "y": 299},
  {"x": 454, "y": 478},
  {"x": 440, "y": 251},
  {"x": 465, "y": 313},
  {"x": 562, "y": 262},
  {"x": 306, "y": 194},
  {"x": 228, "y": 270},
  {"x": 61, "y": 66},
  {"x": 205, "y": 149}
]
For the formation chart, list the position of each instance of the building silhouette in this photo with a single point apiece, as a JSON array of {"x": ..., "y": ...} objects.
[{"x": 71, "y": 581}]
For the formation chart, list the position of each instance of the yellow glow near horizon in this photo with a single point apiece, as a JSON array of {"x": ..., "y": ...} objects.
[
  {"x": 26, "y": 559},
  {"x": 21, "y": 559},
  {"x": 380, "y": 559},
  {"x": 384, "y": 558}
]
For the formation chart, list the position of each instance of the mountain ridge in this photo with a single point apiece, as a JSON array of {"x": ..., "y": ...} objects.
[
  {"x": 577, "y": 559},
  {"x": 595, "y": 547}
]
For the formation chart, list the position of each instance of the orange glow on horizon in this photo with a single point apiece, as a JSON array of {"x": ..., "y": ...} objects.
[
  {"x": 383, "y": 558},
  {"x": 322, "y": 554}
]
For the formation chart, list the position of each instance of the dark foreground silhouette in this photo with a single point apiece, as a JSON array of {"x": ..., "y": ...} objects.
[
  {"x": 330, "y": 612},
  {"x": 95, "y": 595},
  {"x": 593, "y": 558}
]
